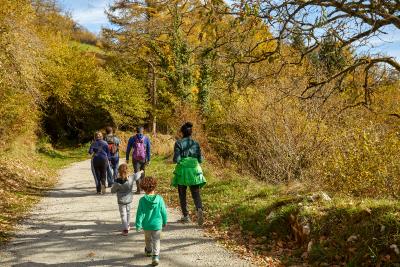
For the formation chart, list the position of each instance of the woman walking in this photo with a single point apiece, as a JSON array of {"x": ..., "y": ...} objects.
[
  {"x": 100, "y": 161},
  {"x": 188, "y": 173}
]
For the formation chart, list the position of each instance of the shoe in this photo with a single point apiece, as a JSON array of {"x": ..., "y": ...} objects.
[
  {"x": 103, "y": 189},
  {"x": 184, "y": 219},
  {"x": 200, "y": 217},
  {"x": 156, "y": 260},
  {"x": 98, "y": 193},
  {"x": 125, "y": 232},
  {"x": 147, "y": 253}
]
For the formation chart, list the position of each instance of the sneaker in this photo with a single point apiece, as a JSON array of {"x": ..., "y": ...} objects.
[
  {"x": 200, "y": 217},
  {"x": 125, "y": 232},
  {"x": 184, "y": 219},
  {"x": 103, "y": 189},
  {"x": 147, "y": 253},
  {"x": 156, "y": 260}
]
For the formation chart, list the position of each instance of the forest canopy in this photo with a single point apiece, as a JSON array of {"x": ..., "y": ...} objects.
[{"x": 276, "y": 88}]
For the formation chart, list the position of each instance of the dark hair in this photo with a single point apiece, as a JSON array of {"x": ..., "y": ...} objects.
[
  {"x": 109, "y": 130},
  {"x": 139, "y": 129},
  {"x": 186, "y": 129},
  {"x": 148, "y": 184}
]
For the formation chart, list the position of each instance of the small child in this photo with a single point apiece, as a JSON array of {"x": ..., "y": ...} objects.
[
  {"x": 151, "y": 215},
  {"x": 123, "y": 187}
]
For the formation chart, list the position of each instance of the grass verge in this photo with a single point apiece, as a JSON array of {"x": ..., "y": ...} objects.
[
  {"x": 26, "y": 172},
  {"x": 296, "y": 227}
]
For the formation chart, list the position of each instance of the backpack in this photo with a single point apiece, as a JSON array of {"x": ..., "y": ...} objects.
[
  {"x": 139, "y": 149},
  {"x": 112, "y": 146}
]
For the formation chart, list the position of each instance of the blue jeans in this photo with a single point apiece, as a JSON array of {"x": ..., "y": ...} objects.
[{"x": 112, "y": 170}]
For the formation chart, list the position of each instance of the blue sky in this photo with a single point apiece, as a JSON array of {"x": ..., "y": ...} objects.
[{"x": 90, "y": 14}]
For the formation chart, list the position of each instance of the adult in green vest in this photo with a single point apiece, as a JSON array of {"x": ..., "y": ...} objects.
[{"x": 188, "y": 173}]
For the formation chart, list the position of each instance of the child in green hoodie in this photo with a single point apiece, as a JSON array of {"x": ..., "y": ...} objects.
[{"x": 151, "y": 216}]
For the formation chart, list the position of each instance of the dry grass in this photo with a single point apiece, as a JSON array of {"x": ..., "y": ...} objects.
[{"x": 26, "y": 172}]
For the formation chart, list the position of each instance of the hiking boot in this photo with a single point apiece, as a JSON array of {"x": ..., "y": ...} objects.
[
  {"x": 200, "y": 217},
  {"x": 125, "y": 232},
  {"x": 147, "y": 253},
  {"x": 184, "y": 219},
  {"x": 103, "y": 189},
  {"x": 156, "y": 260}
]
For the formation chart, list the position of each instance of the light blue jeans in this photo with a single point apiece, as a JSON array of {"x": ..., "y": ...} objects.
[
  {"x": 152, "y": 240},
  {"x": 112, "y": 170},
  {"x": 125, "y": 212}
]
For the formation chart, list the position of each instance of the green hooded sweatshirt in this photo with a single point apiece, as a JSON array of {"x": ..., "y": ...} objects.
[{"x": 151, "y": 214}]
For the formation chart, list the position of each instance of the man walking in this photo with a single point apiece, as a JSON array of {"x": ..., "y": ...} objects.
[
  {"x": 141, "y": 153},
  {"x": 113, "y": 144}
]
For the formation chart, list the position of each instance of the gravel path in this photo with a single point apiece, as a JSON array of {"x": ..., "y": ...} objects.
[{"x": 73, "y": 226}]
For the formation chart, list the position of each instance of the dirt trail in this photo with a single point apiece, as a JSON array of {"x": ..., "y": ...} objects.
[{"x": 73, "y": 226}]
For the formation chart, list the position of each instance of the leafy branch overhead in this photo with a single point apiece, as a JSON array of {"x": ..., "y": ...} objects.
[{"x": 350, "y": 25}]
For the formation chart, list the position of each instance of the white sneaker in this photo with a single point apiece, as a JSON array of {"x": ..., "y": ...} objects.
[
  {"x": 155, "y": 261},
  {"x": 103, "y": 189}
]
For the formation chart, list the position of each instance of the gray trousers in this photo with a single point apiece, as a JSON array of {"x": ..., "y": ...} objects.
[
  {"x": 125, "y": 212},
  {"x": 152, "y": 240}
]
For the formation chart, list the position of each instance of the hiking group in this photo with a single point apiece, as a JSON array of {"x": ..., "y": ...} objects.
[{"x": 151, "y": 214}]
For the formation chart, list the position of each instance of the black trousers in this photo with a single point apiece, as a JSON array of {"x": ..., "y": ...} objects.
[
  {"x": 100, "y": 168},
  {"x": 195, "y": 190},
  {"x": 139, "y": 166}
]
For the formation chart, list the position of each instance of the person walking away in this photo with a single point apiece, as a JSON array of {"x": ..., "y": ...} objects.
[
  {"x": 93, "y": 170},
  {"x": 151, "y": 216},
  {"x": 113, "y": 145},
  {"x": 141, "y": 153},
  {"x": 188, "y": 173},
  {"x": 99, "y": 148},
  {"x": 123, "y": 187}
]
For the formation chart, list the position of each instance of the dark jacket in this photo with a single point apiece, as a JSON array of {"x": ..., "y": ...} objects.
[
  {"x": 131, "y": 143},
  {"x": 100, "y": 150},
  {"x": 187, "y": 147}
]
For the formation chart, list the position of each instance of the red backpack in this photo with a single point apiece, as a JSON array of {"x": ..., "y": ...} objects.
[{"x": 112, "y": 146}]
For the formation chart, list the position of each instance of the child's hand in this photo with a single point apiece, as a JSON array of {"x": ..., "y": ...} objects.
[{"x": 138, "y": 230}]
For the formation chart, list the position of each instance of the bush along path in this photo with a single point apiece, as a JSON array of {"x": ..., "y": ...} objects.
[
  {"x": 72, "y": 226},
  {"x": 279, "y": 225}
]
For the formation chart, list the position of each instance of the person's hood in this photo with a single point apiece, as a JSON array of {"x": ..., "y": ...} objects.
[
  {"x": 121, "y": 181},
  {"x": 120, "y": 185},
  {"x": 151, "y": 201}
]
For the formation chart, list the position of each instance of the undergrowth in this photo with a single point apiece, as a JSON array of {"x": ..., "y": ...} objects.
[
  {"x": 259, "y": 219},
  {"x": 26, "y": 171}
]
